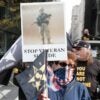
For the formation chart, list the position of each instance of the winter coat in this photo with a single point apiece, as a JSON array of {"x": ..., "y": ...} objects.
[{"x": 72, "y": 91}]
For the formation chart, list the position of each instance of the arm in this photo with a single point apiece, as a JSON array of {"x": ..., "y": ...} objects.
[{"x": 85, "y": 94}]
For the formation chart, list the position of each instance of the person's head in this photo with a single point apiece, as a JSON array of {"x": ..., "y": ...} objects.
[
  {"x": 65, "y": 73},
  {"x": 86, "y": 35},
  {"x": 41, "y": 10},
  {"x": 86, "y": 31},
  {"x": 71, "y": 58},
  {"x": 83, "y": 50}
]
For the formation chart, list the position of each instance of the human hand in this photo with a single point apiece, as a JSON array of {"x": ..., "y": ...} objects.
[{"x": 43, "y": 97}]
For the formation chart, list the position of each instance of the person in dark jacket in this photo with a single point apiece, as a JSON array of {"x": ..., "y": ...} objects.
[
  {"x": 65, "y": 86},
  {"x": 90, "y": 65}
]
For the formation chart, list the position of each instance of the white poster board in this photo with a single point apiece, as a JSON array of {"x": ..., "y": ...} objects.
[{"x": 43, "y": 27}]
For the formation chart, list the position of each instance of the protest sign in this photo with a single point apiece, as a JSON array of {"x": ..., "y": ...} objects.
[{"x": 43, "y": 27}]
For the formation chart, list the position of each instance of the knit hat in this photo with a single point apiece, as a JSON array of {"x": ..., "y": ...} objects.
[{"x": 81, "y": 44}]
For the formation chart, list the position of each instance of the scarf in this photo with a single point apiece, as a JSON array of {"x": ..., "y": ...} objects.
[{"x": 60, "y": 78}]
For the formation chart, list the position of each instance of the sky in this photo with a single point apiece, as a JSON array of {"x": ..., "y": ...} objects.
[{"x": 68, "y": 12}]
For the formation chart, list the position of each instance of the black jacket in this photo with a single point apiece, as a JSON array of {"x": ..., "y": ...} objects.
[{"x": 92, "y": 72}]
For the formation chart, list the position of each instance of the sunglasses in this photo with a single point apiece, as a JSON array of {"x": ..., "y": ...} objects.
[
  {"x": 77, "y": 48},
  {"x": 69, "y": 65}
]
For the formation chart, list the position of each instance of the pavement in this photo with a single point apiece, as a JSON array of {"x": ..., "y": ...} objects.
[{"x": 9, "y": 92}]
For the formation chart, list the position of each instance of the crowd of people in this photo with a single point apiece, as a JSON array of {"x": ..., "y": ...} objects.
[
  {"x": 92, "y": 66},
  {"x": 63, "y": 83},
  {"x": 67, "y": 87},
  {"x": 79, "y": 56}
]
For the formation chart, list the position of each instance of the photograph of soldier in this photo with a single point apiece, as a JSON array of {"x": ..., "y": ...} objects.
[
  {"x": 40, "y": 23},
  {"x": 43, "y": 22},
  {"x": 43, "y": 29}
]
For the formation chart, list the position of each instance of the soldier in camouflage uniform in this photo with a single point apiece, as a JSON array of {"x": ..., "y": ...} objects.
[{"x": 42, "y": 22}]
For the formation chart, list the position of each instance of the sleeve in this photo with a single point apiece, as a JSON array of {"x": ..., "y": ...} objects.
[{"x": 85, "y": 94}]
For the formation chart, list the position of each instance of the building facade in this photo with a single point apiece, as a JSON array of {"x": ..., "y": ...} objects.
[
  {"x": 98, "y": 18},
  {"x": 77, "y": 23}
]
